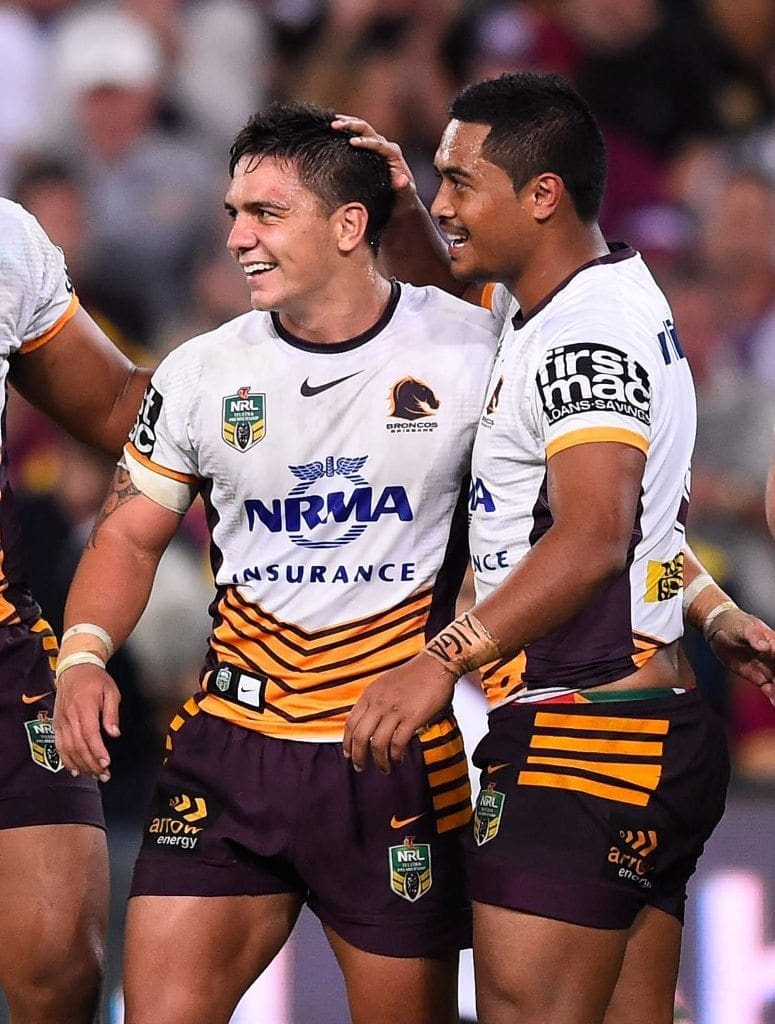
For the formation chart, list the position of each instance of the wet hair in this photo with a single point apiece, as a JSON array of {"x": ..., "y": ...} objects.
[
  {"x": 539, "y": 123},
  {"x": 336, "y": 172}
]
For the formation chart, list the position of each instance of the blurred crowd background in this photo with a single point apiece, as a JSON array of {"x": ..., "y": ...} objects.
[{"x": 115, "y": 122}]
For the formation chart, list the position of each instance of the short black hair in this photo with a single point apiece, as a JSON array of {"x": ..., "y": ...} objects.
[
  {"x": 337, "y": 173},
  {"x": 539, "y": 123}
]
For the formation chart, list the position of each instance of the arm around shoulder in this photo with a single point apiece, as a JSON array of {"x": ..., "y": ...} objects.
[{"x": 83, "y": 382}]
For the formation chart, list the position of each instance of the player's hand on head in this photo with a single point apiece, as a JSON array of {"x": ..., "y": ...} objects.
[
  {"x": 367, "y": 137},
  {"x": 87, "y": 703},
  {"x": 392, "y": 709},
  {"x": 746, "y": 646}
]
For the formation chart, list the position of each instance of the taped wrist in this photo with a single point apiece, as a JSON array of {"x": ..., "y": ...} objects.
[
  {"x": 703, "y": 601},
  {"x": 79, "y": 658},
  {"x": 463, "y": 645}
]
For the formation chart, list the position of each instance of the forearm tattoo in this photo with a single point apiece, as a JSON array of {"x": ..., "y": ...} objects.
[{"x": 122, "y": 491}]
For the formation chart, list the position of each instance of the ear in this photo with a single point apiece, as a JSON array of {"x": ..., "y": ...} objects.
[
  {"x": 350, "y": 222},
  {"x": 547, "y": 192}
]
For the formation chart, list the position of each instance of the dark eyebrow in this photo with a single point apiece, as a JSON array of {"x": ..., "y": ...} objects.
[
  {"x": 257, "y": 205},
  {"x": 450, "y": 170}
]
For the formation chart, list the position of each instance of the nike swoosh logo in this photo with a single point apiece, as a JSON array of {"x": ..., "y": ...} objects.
[
  {"x": 403, "y": 822},
  {"x": 308, "y": 390},
  {"x": 36, "y": 698},
  {"x": 491, "y": 769}
]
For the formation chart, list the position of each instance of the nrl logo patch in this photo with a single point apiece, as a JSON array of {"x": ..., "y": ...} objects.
[
  {"x": 244, "y": 419},
  {"x": 487, "y": 816},
  {"x": 40, "y": 736},
  {"x": 410, "y": 869}
]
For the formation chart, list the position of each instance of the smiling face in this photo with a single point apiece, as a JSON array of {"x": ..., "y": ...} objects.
[
  {"x": 491, "y": 229},
  {"x": 282, "y": 236}
]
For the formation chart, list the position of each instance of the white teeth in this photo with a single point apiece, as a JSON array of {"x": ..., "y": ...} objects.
[{"x": 257, "y": 268}]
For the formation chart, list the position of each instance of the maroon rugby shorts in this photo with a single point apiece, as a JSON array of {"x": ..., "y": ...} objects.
[
  {"x": 589, "y": 812},
  {"x": 35, "y": 788},
  {"x": 379, "y": 858}
]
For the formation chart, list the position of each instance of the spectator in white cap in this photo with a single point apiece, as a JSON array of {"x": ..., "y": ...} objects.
[{"x": 145, "y": 186}]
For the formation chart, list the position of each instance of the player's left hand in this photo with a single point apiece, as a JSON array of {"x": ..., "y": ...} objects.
[
  {"x": 367, "y": 137},
  {"x": 393, "y": 708},
  {"x": 746, "y": 646}
]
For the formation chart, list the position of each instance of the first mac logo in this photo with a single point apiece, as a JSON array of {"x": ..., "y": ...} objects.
[{"x": 244, "y": 419}]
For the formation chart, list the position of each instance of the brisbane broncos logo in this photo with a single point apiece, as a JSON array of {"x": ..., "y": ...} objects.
[{"x": 412, "y": 400}]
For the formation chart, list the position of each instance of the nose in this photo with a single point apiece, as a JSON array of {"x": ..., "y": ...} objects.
[
  {"x": 441, "y": 207},
  {"x": 241, "y": 238}
]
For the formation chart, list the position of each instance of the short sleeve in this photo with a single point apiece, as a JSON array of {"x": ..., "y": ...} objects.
[
  {"x": 158, "y": 455},
  {"x": 36, "y": 294},
  {"x": 588, "y": 392}
]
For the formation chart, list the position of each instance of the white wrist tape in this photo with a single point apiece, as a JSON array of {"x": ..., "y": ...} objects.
[
  {"x": 92, "y": 630},
  {"x": 79, "y": 658},
  {"x": 693, "y": 589},
  {"x": 724, "y": 606}
]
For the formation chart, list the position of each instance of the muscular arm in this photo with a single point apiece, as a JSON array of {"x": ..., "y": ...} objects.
[
  {"x": 84, "y": 383},
  {"x": 111, "y": 589},
  {"x": 593, "y": 493}
]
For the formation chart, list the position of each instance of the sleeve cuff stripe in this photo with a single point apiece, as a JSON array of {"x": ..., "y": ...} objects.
[
  {"x": 591, "y": 435},
  {"x": 182, "y": 478},
  {"x": 69, "y": 313}
]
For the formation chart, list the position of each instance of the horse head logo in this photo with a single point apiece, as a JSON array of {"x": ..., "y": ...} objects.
[{"x": 412, "y": 400}]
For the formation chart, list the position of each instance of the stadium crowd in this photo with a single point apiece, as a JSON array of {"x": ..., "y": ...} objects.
[{"x": 114, "y": 123}]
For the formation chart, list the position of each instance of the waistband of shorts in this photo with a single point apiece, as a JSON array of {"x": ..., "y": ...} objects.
[
  {"x": 236, "y": 686},
  {"x": 663, "y": 699}
]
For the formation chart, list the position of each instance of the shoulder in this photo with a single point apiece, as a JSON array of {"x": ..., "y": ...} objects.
[
  {"x": 22, "y": 239},
  {"x": 209, "y": 352},
  {"x": 452, "y": 317}
]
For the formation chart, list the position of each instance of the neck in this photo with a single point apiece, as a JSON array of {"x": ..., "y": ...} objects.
[
  {"x": 557, "y": 260},
  {"x": 340, "y": 314}
]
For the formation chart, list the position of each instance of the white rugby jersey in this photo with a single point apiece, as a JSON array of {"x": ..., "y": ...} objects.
[
  {"x": 335, "y": 478},
  {"x": 598, "y": 360},
  {"x": 36, "y": 301}
]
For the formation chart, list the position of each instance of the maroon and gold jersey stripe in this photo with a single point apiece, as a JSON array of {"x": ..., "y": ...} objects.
[
  {"x": 313, "y": 677},
  {"x": 502, "y": 679}
]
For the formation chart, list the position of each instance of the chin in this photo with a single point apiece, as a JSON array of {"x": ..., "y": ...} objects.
[{"x": 471, "y": 275}]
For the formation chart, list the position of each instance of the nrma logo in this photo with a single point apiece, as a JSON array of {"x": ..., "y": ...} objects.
[
  {"x": 332, "y": 517},
  {"x": 479, "y": 496}
]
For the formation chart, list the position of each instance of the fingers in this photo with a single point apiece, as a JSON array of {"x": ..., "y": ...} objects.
[
  {"x": 402, "y": 734},
  {"x": 369, "y": 734},
  {"x": 351, "y": 123},
  {"x": 81, "y": 701},
  {"x": 366, "y": 137},
  {"x": 381, "y": 738}
]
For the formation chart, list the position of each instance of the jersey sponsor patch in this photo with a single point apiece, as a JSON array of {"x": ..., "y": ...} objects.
[
  {"x": 664, "y": 580},
  {"x": 331, "y": 504},
  {"x": 593, "y": 378},
  {"x": 143, "y": 433},
  {"x": 179, "y": 818},
  {"x": 632, "y": 852}
]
